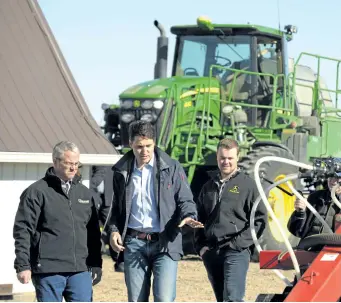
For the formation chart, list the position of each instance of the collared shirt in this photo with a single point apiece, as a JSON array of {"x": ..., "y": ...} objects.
[
  {"x": 144, "y": 215},
  {"x": 66, "y": 185},
  {"x": 222, "y": 182}
]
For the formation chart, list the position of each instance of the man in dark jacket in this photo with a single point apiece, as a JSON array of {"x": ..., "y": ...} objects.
[
  {"x": 56, "y": 232},
  {"x": 152, "y": 201},
  {"x": 303, "y": 222},
  {"x": 102, "y": 186},
  {"x": 224, "y": 207}
]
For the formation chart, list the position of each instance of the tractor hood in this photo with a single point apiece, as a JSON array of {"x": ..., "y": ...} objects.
[{"x": 158, "y": 88}]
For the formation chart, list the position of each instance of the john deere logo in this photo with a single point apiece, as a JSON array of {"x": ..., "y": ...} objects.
[
  {"x": 235, "y": 189},
  {"x": 137, "y": 103}
]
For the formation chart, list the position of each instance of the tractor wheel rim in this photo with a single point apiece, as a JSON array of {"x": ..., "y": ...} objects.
[{"x": 283, "y": 206}]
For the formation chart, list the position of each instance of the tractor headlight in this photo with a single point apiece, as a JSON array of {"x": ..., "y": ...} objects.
[
  {"x": 127, "y": 104},
  {"x": 147, "y": 104},
  {"x": 158, "y": 104},
  {"x": 147, "y": 117},
  {"x": 127, "y": 117}
]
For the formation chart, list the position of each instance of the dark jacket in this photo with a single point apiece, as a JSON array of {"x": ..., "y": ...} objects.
[
  {"x": 225, "y": 212},
  {"x": 102, "y": 199},
  {"x": 304, "y": 223},
  {"x": 172, "y": 192},
  {"x": 55, "y": 232}
]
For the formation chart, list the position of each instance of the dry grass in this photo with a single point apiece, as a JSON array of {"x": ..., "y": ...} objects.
[{"x": 192, "y": 283}]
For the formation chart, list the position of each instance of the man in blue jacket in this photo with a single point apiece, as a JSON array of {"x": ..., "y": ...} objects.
[{"x": 152, "y": 201}]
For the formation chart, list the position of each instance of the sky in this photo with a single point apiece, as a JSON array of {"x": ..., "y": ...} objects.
[{"x": 111, "y": 45}]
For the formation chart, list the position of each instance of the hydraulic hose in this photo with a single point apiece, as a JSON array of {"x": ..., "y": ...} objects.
[
  {"x": 320, "y": 239},
  {"x": 252, "y": 222},
  {"x": 268, "y": 206},
  {"x": 253, "y": 213},
  {"x": 312, "y": 209}
]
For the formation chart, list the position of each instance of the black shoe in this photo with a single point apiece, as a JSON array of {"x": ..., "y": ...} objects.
[{"x": 119, "y": 267}]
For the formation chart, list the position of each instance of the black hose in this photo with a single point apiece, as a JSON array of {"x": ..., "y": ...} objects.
[{"x": 320, "y": 239}]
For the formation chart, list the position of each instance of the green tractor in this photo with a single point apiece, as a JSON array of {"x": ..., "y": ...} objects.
[{"x": 236, "y": 81}]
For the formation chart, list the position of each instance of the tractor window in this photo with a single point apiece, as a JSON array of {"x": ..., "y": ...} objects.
[
  {"x": 269, "y": 56},
  {"x": 192, "y": 58},
  {"x": 196, "y": 54},
  {"x": 230, "y": 52}
]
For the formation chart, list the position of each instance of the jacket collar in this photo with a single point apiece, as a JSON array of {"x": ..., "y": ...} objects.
[
  {"x": 126, "y": 163},
  {"x": 215, "y": 175},
  {"x": 50, "y": 175}
]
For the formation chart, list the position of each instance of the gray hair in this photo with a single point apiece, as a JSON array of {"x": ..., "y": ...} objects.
[{"x": 61, "y": 147}]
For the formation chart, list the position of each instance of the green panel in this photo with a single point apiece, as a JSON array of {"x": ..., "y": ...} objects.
[
  {"x": 330, "y": 142},
  {"x": 331, "y": 137}
]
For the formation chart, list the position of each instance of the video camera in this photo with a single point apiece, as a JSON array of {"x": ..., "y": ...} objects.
[{"x": 323, "y": 168}]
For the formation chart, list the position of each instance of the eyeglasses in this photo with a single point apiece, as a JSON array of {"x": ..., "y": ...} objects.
[{"x": 70, "y": 164}]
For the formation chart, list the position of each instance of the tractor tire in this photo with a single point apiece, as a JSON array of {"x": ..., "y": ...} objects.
[{"x": 281, "y": 202}]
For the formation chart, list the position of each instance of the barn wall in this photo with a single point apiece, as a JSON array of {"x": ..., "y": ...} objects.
[{"x": 14, "y": 178}]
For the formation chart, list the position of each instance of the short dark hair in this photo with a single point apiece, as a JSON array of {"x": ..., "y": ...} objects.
[
  {"x": 228, "y": 143},
  {"x": 141, "y": 129}
]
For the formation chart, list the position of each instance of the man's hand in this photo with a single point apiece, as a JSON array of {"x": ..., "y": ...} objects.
[
  {"x": 203, "y": 250},
  {"x": 300, "y": 205},
  {"x": 338, "y": 190},
  {"x": 116, "y": 242},
  {"x": 191, "y": 222},
  {"x": 24, "y": 277},
  {"x": 96, "y": 274}
]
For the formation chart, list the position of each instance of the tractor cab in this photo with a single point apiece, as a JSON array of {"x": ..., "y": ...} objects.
[{"x": 243, "y": 58}]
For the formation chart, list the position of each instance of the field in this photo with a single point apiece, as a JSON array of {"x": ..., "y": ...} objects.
[{"x": 192, "y": 284}]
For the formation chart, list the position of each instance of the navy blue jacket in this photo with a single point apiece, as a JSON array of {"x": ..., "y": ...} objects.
[{"x": 172, "y": 192}]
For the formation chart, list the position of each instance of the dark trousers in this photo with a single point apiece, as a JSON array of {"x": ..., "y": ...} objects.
[
  {"x": 227, "y": 270},
  {"x": 74, "y": 287}
]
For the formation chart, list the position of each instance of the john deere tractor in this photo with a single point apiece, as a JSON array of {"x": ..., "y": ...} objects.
[{"x": 236, "y": 81}]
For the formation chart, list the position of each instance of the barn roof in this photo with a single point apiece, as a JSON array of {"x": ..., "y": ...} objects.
[{"x": 40, "y": 102}]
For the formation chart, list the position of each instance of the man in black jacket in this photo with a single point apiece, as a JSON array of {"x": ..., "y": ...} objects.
[
  {"x": 56, "y": 232},
  {"x": 101, "y": 184},
  {"x": 152, "y": 201},
  {"x": 224, "y": 207},
  {"x": 303, "y": 222}
]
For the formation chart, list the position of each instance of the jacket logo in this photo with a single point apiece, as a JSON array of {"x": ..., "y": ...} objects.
[
  {"x": 83, "y": 201},
  {"x": 234, "y": 189}
]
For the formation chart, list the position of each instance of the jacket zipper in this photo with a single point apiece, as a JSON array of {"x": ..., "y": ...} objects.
[
  {"x": 39, "y": 249},
  {"x": 74, "y": 232},
  {"x": 220, "y": 189}
]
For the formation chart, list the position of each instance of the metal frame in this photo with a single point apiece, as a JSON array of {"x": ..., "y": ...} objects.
[{"x": 322, "y": 279}]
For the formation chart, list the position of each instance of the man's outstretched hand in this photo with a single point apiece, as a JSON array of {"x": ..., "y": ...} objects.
[{"x": 191, "y": 222}]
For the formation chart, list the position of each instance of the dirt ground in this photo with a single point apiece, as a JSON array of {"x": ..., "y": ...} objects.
[{"x": 192, "y": 284}]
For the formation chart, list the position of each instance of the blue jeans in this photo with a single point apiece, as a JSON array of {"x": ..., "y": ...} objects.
[
  {"x": 227, "y": 270},
  {"x": 141, "y": 259},
  {"x": 74, "y": 287}
]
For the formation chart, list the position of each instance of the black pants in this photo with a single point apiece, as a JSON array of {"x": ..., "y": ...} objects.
[{"x": 227, "y": 270}]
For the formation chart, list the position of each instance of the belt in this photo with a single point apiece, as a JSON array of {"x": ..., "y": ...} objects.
[{"x": 153, "y": 237}]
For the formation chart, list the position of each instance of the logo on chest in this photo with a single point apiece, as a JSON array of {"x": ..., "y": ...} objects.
[
  {"x": 83, "y": 201},
  {"x": 234, "y": 189}
]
